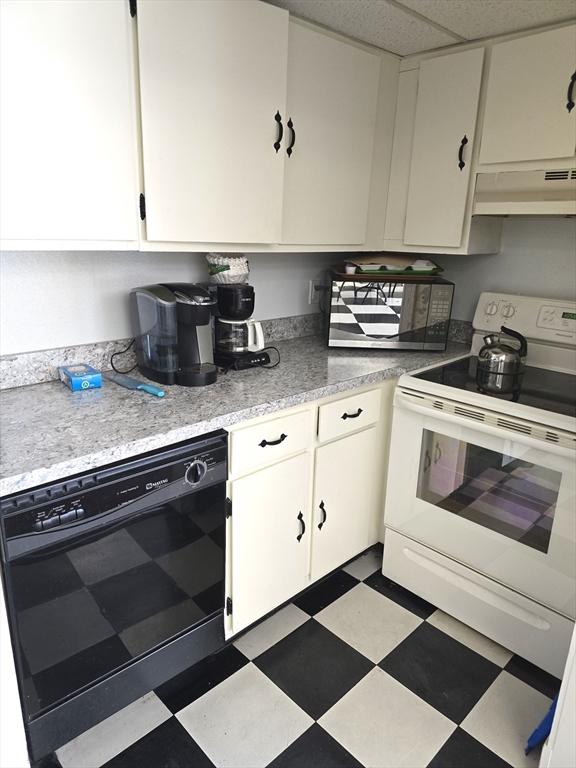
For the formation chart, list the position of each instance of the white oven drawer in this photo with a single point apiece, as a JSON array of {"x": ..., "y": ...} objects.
[
  {"x": 534, "y": 632},
  {"x": 349, "y": 414},
  {"x": 269, "y": 441}
]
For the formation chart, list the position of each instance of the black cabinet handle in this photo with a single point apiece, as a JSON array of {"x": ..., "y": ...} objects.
[
  {"x": 461, "y": 162},
  {"x": 351, "y": 415},
  {"x": 570, "y": 95},
  {"x": 324, "y": 515},
  {"x": 290, "y": 125},
  {"x": 278, "y": 118},
  {"x": 303, "y": 526},
  {"x": 281, "y": 439}
]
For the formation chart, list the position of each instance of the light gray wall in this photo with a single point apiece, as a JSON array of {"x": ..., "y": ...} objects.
[
  {"x": 58, "y": 299},
  {"x": 537, "y": 258}
]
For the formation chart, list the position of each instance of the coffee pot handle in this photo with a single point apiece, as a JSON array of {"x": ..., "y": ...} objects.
[{"x": 259, "y": 336}]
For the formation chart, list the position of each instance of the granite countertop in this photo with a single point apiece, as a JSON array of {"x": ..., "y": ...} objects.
[{"x": 49, "y": 432}]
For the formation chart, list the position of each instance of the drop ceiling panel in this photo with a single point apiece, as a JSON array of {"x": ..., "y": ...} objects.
[
  {"x": 474, "y": 19},
  {"x": 373, "y": 21}
]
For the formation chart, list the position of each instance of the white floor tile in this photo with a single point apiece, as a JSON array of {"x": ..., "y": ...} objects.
[
  {"x": 368, "y": 621},
  {"x": 384, "y": 725},
  {"x": 365, "y": 565},
  {"x": 244, "y": 721},
  {"x": 115, "y": 734},
  {"x": 269, "y": 632},
  {"x": 504, "y": 718},
  {"x": 469, "y": 637}
]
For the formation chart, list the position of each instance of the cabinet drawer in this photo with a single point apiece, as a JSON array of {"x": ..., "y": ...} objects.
[
  {"x": 269, "y": 441},
  {"x": 349, "y": 414}
]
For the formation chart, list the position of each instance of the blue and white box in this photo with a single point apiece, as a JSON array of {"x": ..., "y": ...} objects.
[{"x": 80, "y": 376}]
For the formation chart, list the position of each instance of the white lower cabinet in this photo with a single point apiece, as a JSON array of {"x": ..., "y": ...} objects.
[
  {"x": 276, "y": 545},
  {"x": 345, "y": 513},
  {"x": 270, "y": 538}
]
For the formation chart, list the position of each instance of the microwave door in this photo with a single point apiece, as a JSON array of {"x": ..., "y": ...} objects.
[{"x": 414, "y": 312}]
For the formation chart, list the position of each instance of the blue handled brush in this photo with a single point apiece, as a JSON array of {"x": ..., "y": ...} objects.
[{"x": 130, "y": 383}]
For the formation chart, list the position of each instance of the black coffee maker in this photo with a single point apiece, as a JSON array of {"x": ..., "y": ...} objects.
[{"x": 173, "y": 335}]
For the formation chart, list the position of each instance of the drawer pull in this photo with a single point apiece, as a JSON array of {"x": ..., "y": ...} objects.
[
  {"x": 303, "y": 526},
  {"x": 351, "y": 415},
  {"x": 281, "y": 439},
  {"x": 324, "y": 515}
]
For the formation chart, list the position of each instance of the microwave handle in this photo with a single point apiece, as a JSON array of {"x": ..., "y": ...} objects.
[{"x": 407, "y": 402}]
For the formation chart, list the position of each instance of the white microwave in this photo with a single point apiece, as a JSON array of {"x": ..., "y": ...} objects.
[{"x": 389, "y": 313}]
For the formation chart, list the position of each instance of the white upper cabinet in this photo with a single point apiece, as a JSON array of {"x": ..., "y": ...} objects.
[
  {"x": 213, "y": 95},
  {"x": 529, "y": 87},
  {"x": 332, "y": 104},
  {"x": 444, "y": 132},
  {"x": 68, "y": 126}
]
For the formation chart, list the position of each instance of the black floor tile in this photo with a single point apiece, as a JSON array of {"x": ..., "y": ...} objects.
[
  {"x": 168, "y": 746},
  {"x": 50, "y": 761},
  {"x": 330, "y": 589},
  {"x": 463, "y": 751},
  {"x": 314, "y": 667},
  {"x": 136, "y": 594},
  {"x": 442, "y": 671},
  {"x": 317, "y": 749},
  {"x": 402, "y": 596},
  {"x": 534, "y": 676},
  {"x": 196, "y": 681}
]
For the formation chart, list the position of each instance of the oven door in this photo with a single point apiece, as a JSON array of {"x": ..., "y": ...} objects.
[
  {"x": 495, "y": 499},
  {"x": 107, "y": 593}
]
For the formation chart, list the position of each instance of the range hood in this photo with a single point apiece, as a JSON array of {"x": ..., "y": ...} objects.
[{"x": 526, "y": 193}]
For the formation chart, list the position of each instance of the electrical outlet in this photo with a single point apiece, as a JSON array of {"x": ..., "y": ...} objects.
[{"x": 314, "y": 288}]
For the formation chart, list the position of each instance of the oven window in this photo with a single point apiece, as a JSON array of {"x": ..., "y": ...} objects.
[
  {"x": 509, "y": 495},
  {"x": 89, "y": 606}
]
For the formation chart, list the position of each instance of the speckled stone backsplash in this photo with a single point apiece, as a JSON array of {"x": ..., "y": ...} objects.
[{"x": 37, "y": 367}]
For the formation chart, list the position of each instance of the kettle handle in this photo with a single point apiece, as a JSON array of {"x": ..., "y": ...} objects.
[{"x": 518, "y": 336}]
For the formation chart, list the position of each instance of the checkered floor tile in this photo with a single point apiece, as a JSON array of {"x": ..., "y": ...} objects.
[{"x": 356, "y": 672}]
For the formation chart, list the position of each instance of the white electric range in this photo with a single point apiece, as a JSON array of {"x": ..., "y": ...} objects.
[{"x": 481, "y": 497}]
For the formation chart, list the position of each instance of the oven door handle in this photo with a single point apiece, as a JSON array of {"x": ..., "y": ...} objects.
[{"x": 406, "y": 402}]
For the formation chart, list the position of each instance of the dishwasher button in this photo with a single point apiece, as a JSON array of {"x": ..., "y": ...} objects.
[
  {"x": 68, "y": 517},
  {"x": 51, "y": 522}
]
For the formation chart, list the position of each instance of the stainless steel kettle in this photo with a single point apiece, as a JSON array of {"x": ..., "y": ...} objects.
[{"x": 501, "y": 366}]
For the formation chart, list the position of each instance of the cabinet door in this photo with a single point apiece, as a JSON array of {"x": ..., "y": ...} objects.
[
  {"x": 68, "y": 131},
  {"x": 346, "y": 493},
  {"x": 446, "y": 109},
  {"x": 332, "y": 102},
  {"x": 270, "y": 538},
  {"x": 526, "y": 115},
  {"x": 212, "y": 79}
]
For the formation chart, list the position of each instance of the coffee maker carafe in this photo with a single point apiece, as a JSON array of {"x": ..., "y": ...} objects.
[
  {"x": 172, "y": 331},
  {"x": 238, "y": 341}
]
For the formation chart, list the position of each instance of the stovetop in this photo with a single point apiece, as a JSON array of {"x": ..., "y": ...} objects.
[{"x": 541, "y": 388}]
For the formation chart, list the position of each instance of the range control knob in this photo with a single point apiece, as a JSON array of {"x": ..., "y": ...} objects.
[
  {"x": 491, "y": 308},
  {"x": 195, "y": 472},
  {"x": 508, "y": 310}
]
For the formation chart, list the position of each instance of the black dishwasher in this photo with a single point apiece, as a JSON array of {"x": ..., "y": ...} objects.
[{"x": 114, "y": 583}]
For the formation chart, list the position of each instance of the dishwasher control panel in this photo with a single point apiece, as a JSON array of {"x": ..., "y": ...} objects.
[{"x": 162, "y": 478}]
